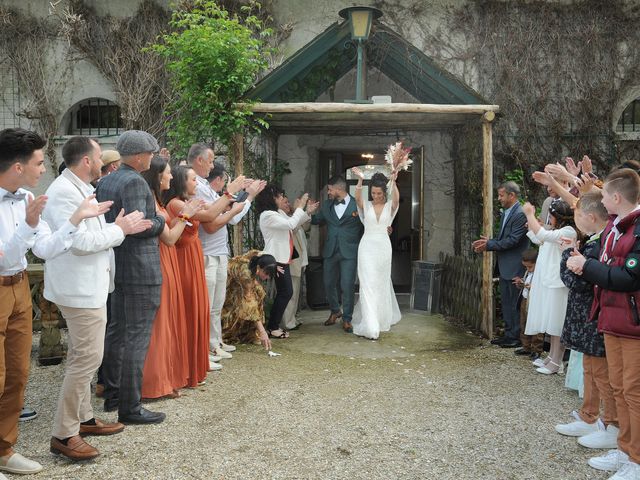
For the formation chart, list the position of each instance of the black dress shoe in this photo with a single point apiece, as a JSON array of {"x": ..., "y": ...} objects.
[
  {"x": 111, "y": 405},
  {"x": 510, "y": 344},
  {"x": 534, "y": 356},
  {"x": 143, "y": 417},
  {"x": 497, "y": 341},
  {"x": 521, "y": 351}
]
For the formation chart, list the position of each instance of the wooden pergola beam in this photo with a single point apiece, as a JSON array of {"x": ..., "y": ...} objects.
[{"x": 335, "y": 107}]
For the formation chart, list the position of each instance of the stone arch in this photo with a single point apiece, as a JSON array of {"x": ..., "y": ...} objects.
[
  {"x": 93, "y": 116},
  {"x": 630, "y": 94}
]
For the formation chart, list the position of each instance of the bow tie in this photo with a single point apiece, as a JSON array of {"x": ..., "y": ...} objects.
[
  {"x": 339, "y": 202},
  {"x": 14, "y": 196}
]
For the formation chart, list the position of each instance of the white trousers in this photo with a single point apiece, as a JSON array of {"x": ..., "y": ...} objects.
[
  {"x": 289, "y": 317},
  {"x": 215, "y": 270}
]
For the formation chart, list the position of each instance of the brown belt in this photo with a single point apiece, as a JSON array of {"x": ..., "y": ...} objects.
[{"x": 13, "y": 279}]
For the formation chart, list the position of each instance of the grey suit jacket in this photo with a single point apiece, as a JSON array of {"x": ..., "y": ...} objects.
[
  {"x": 343, "y": 234},
  {"x": 510, "y": 244},
  {"x": 138, "y": 257}
]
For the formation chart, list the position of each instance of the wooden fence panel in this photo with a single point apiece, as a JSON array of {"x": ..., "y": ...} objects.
[{"x": 461, "y": 290}]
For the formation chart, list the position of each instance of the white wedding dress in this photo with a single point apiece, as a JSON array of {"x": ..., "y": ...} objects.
[{"x": 377, "y": 308}]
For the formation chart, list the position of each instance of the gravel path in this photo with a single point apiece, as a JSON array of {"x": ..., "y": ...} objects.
[{"x": 417, "y": 410}]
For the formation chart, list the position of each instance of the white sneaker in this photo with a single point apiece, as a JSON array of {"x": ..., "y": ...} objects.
[
  {"x": 538, "y": 363},
  {"x": 603, "y": 438},
  {"x": 578, "y": 428},
  {"x": 214, "y": 366},
  {"x": 227, "y": 348},
  {"x": 214, "y": 358},
  {"x": 16, "y": 463},
  {"x": 612, "y": 461},
  {"x": 629, "y": 471},
  {"x": 221, "y": 353},
  {"x": 27, "y": 414}
]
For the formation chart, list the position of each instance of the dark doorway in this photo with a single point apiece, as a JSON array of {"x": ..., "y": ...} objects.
[{"x": 406, "y": 244}]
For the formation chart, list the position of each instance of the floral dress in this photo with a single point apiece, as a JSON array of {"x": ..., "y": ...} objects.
[{"x": 244, "y": 303}]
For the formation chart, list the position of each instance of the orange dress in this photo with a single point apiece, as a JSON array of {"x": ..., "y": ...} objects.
[
  {"x": 166, "y": 367},
  {"x": 196, "y": 297}
]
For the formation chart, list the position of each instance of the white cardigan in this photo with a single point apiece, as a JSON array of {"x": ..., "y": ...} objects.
[
  {"x": 276, "y": 229},
  {"x": 82, "y": 276}
]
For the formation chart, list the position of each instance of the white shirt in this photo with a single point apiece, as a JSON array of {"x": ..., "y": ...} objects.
[
  {"x": 341, "y": 207},
  {"x": 216, "y": 243},
  {"x": 16, "y": 237}
]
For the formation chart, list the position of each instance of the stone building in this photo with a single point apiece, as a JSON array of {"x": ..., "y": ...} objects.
[{"x": 433, "y": 52}]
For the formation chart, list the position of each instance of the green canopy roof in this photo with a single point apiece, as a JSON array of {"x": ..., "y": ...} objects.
[{"x": 310, "y": 71}]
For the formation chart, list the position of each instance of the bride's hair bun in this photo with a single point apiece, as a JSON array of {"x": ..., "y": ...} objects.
[{"x": 379, "y": 180}]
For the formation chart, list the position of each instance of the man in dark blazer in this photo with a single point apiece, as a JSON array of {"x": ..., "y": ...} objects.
[
  {"x": 509, "y": 245},
  {"x": 138, "y": 279},
  {"x": 340, "y": 253}
]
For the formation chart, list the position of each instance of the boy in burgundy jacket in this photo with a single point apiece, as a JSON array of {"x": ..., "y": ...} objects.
[{"x": 616, "y": 276}]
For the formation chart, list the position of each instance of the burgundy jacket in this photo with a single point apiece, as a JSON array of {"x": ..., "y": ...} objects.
[{"x": 617, "y": 282}]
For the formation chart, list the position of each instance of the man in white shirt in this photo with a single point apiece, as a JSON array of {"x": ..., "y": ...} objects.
[
  {"x": 213, "y": 235},
  {"x": 22, "y": 165},
  {"x": 78, "y": 282}
]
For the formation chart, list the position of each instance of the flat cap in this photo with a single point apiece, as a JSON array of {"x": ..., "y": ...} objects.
[
  {"x": 109, "y": 156},
  {"x": 133, "y": 142}
]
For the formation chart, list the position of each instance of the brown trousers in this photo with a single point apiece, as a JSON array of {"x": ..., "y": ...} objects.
[
  {"x": 15, "y": 352},
  {"x": 623, "y": 357},
  {"x": 532, "y": 343},
  {"x": 597, "y": 388}
]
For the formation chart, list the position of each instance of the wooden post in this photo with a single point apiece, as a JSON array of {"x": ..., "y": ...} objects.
[
  {"x": 237, "y": 146},
  {"x": 487, "y": 223}
]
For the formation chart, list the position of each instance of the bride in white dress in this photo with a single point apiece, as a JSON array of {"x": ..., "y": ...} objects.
[{"x": 377, "y": 308}]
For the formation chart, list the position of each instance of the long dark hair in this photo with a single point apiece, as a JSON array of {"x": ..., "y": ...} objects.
[
  {"x": 266, "y": 262},
  {"x": 378, "y": 180},
  {"x": 152, "y": 176},
  {"x": 266, "y": 199},
  {"x": 178, "y": 187}
]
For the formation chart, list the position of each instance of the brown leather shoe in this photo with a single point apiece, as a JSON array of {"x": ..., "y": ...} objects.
[
  {"x": 101, "y": 428},
  {"x": 333, "y": 318},
  {"x": 347, "y": 327},
  {"x": 76, "y": 449}
]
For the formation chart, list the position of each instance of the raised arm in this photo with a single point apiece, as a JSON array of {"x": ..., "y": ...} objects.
[
  {"x": 395, "y": 193},
  {"x": 358, "y": 173}
]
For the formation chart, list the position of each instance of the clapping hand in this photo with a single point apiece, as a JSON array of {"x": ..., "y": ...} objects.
[
  {"x": 312, "y": 207},
  {"x": 585, "y": 183},
  {"x": 543, "y": 178},
  {"x": 528, "y": 209},
  {"x": 164, "y": 152},
  {"x": 571, "y": 166},
  {"x": 236, "y": 185},
  {"x": 576, "y": 262},
  {"x": 255, "y": 187},
  {"x": 34, "y": 209},
  {"x": 301, "y": 202},
  {"x": 89, "y": 208},
  {"x": 587, "y": 165},
  {"x": 133, "y": 222},
  {"x": 192, "y": 206}
]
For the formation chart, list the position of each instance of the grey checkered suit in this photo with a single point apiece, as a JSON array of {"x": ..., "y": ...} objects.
[{"x": 136, "y": 297}]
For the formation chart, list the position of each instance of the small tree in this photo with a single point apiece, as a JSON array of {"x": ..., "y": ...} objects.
[{"x": 213, "y": 59}]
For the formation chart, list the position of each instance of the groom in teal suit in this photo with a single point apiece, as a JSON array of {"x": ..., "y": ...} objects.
[{"x": 344, "y": 230}]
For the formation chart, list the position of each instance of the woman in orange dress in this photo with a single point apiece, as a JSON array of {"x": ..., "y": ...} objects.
[
  {"x": 166, "y": 366},
  {"x": 191, "y": 266}
]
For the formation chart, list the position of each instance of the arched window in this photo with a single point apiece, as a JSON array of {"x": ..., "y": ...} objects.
[
  {"x": 95, "y": 116},
  {"x": 630, "y": 118}
]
